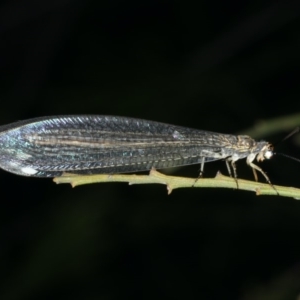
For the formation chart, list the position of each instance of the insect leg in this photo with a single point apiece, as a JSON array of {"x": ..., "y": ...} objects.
[
  {"x": 234, "y": 173},
  {"x": 255, "y": 174},
  {"x": 234, "y": 170},
  {"x": 228, "y": 167},
  {"x": 201, "y": 170},
  {"x": 256, "y": 168},
  {"x": 202, "y": 167}
]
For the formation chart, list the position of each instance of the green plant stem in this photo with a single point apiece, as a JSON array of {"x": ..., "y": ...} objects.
[
  {"x": 268, "y": 127},
  {"x": 175, "y": 182}
]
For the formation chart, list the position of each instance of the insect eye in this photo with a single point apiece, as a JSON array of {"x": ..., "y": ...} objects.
[{"x": 268, "y": 154}]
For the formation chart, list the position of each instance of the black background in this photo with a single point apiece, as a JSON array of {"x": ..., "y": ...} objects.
[{"x": 222, "y": 66}]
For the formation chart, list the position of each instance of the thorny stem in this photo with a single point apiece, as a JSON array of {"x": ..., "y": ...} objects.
[{"x": 175, "y": 182}]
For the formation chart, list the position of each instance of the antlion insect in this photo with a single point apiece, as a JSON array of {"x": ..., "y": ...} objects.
[{"x": 91, "y": 144}]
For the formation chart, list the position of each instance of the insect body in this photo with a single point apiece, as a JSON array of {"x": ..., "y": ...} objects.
[{"x": 91, "y": 144}]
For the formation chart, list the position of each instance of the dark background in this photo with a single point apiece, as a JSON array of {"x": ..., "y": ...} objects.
[{"x": 222, "y": 66}]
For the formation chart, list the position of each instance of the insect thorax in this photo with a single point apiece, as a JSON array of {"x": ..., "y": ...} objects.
[{"x": 244, "y": 146}]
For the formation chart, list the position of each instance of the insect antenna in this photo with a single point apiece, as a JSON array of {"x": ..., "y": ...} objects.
[
  {"x": 288, "y": 156},
  {"x": 296, "y": 130}
]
